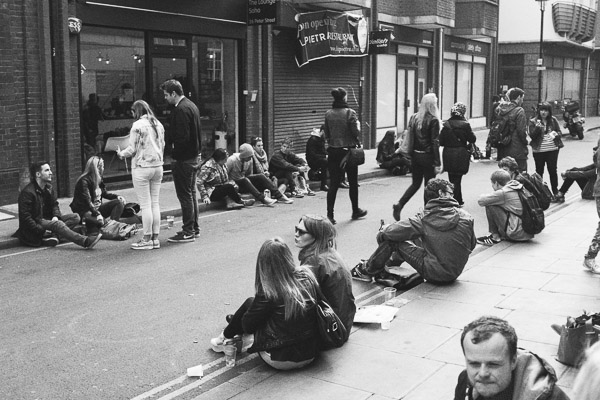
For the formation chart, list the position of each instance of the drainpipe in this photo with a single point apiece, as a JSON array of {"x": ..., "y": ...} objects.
[{"x": 587, "y": 77}]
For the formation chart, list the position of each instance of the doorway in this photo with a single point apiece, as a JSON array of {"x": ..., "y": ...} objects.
[{"x": 406, "y": 99}]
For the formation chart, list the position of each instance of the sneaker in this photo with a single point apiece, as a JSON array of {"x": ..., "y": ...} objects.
[
  {"x": 285, "y": 200},
  {"x": 359, "y": 213},
  {"x": 235, "y": 206},
  {"x": 559, "y": 198},
  {"x": 182, "y": 237},
  {"x": 143, "y": 245},
  {"x": 396, "y": 211},
  {"x": 243, "y": 342},
  {"x": 331, "y": 219},
  {"x": 310, "y": 192},
  {"x": 488, "y": 240},
  {"x": 50, "y": 241},
  {"x": 344, "y": 185},
  {"x": 248, "y": 202},
  {"x": 196, "y": 234},
  {"x": 590, "y": 264},
  {"x": 359, "y": 275},
  {"x": 297, "y": 194},
  {"x": 407, "y": 283},
  {"x": 91, "y": 241},
  {"x": 155, "y": 244},
  {"x": 324, "y": 188},
  {"x": 269, "y": 202}
]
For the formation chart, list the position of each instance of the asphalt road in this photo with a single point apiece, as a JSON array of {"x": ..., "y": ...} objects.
[{"x": 113, "y": 323}]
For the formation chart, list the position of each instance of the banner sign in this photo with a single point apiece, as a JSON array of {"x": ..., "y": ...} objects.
[
  {"x": 330, "y": 34},
  {"x": 262, "y": 12},
  {"x": 380, "y": 42}
]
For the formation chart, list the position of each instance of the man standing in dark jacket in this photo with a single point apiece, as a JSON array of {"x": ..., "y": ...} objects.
[
  {"x": 517, "y": 124},
  {"x": 436, "y": 243},
  {"x": 39, "y": 213},
  {"x": 184, "y": 130}
]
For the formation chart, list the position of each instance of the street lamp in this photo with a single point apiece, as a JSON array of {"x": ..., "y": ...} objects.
[{"x": 540, "y": 62}]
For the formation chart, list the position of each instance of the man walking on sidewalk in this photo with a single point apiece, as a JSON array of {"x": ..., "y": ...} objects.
[
  {"x": 497, "y": 370},
  {"x": 436, "y": 243},
  {"x": 40, "y": 220},
  {"x": 184, "y": 127}
]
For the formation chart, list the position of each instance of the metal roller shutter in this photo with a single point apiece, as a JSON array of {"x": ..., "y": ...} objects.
[{"x": 303, "y": 95}]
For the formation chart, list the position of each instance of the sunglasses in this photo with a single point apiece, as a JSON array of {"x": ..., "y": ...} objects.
[{"x": 299, "y": 231}]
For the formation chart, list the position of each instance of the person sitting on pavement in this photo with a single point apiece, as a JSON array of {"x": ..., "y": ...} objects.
[
  {"x": 316, "y": 237},
  {"x": 282, "y": 314},
  {"x": 436, "y": 243},
  {"x": 239, "y": 167},
  {"x": 585, "y": 178},
  {"x": 587, "y": 382},
  {"x": 40, "y": 220},
  {"x": 389, "y": 157},
  {"x": 316, "y": 156},
  {"x": 214, "y": 184},
  {"x": 497, "y": 369},
  {"x": 503, "y": 209},
  {"x": 287, "y": 167},
  {"x": 260, "y": 161},
  {"x": 88, "y": 195}
]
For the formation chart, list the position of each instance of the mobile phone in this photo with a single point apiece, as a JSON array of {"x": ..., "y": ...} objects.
[{"x": 382, "y": 222}]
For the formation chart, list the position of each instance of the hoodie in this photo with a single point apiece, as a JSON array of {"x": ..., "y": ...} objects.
[
  {"x": 517, "y": 148},
  {"x": 532, "y": 379},
  {"x": 446, "y": 234}
]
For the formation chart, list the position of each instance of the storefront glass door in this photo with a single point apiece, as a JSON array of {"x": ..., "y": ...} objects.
[{"x": 406, "y": 96}]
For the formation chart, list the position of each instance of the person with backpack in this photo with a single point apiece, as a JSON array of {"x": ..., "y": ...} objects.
[
  {"x": 545, "y": 134},
  {"x": 510, "y": 126},
  {"x": 533, "y": 183},
  {"x": 504, "y": 210}
]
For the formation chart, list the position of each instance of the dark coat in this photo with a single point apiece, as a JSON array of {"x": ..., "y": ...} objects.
[
  {"x": 427, "y": 138},
  {"x": 84, "y": 196},
  {"x": 315, "y": 151},
  {"x": 286, "y": 162},
  {"x": 455, "y": 137},
  {"x": 35, "y": 204},
  {"x": 184, "y": 130}
]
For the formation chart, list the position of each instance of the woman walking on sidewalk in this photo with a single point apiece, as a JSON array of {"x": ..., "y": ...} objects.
[
  {"x": 424, "y": 127},
  {"x": 342, "y": 132},
  {"x": 146, "y": 145}
]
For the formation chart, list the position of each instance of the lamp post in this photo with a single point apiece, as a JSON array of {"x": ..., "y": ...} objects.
[{"x": 540, "y": 62}]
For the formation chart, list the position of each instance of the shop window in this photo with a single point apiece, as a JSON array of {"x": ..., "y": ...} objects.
[
  {"x": 448, "y": 88},
  {"x": 577, "y": 63},
  {"x": 569, "y": 63},
  {"x": 571, "y": 82},
  {"x": 557, "y": 62},
  {"x": 463, "y": 85},
  {"x": 552, "y": 85},
  {"x": 478, "y": 91},
  {"x": 386, "y": 91}
]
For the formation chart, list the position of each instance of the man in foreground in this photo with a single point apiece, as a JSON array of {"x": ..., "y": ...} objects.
[
  {"x": 496, "y": 370},
  {"x": 436, "y": 243},
  {"x": 40, "y": 220}
]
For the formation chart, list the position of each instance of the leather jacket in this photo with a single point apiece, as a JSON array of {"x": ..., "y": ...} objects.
[
  {"x": 426, "y": 139},
  {"x": 342, "y": 128},
  {"x": 85, "y": 199}
]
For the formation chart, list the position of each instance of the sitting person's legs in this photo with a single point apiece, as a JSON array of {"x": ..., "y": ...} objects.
[
  {"x": 496, "y": 217},
  {"x": 226, "y": 190},
  {"x": 63, "y": 232},
  {"x": 234, "y": 327},
  {"x": 262, "y": 183},
  {"x": 112, "y": 208},
  {"x": 247, "y": 186}
]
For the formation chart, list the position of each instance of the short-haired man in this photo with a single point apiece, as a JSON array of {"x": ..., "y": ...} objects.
[
  {"x": 517, "y": 123},
  {"x": 436, "y": 243},
  {"x": 495, "y": 369},
  {"x": 184, "y": 132},
  {"x": 503, "y": 209},
  {"x": 285, "y": 166},
  {"x": 40, "y": 220},
  {"x": 239, "y": 167}
]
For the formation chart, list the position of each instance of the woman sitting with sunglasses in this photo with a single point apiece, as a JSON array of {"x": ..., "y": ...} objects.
[
  {"x": 282, "y": 314},
  {"x": 316, "y": 237}
]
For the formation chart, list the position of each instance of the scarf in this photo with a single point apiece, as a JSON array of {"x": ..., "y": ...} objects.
[
  {"x": 259, "y": 161},
  {"x": 339, "y": 104}
]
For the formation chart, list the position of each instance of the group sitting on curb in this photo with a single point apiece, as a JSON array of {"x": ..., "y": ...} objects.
[{"x": 40, "y": 221}]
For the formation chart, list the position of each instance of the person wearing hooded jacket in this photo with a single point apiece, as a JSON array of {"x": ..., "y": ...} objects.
[
  {"x": 436, "y": 243},
  {"x": 503, "y": 209},
  {"x": 517, "y": 123}
]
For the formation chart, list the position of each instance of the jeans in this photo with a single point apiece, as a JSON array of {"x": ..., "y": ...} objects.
[
  {"x": 422, "y": 170},
  {"x": 184, "y": 177},
  {"x": 336, "y": 174},
  {"x": 146, "y": 182},
  {"x": 225, "y": 190},
  {"x": 62, "y": 230},
  {"x": 496, "y": 217},
  {"x": 112, "y": 208},
  {"x": 595, "y": 245},
  {"x": 411, "y": 253},
  {"x": 256, "y": 184},
  {"x": 550, "y": 160}
]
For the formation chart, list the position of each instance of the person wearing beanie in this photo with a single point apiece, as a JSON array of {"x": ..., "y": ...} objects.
[
  {"x": 342, "y": 132},
  {"x": 455, "y": 138},
  {"x": 239, "y": 167}
]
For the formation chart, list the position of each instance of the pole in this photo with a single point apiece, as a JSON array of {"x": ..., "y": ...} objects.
[{"x": 541, "y": 58}]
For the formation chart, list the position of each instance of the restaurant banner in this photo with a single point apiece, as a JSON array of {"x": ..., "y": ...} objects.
[{"x": 330, "y": 34}]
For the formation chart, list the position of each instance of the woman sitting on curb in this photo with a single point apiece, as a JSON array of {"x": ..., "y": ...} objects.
[
  {"x": 214, "y": 183},
  {"x": 282, "y": 314}
]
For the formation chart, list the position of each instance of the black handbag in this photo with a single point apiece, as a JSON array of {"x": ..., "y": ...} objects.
[
  {"x": 354, "y": 157},
  {"x": 332, "y": 332}
]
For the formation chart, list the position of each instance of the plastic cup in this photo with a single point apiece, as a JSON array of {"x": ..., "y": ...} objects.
[
  {"x": 385, "y": 325},
  {"x": 390, "y": 294},
  {"x": 170, "y": 221},
  {"x": 230, "y": 352}
]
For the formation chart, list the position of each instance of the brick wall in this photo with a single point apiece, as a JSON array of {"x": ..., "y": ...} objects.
[
  {"x": 25, "y": 113},
  {"x": 417, "y": 8},
  {"x": 476, "y": 14}
]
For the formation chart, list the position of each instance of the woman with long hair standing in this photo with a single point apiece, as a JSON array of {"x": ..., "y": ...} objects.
[
  {"x": 282, "y": 314},
  {"x": 316, "y": 237},
  {"x": 546, "y": 140},
  {"x": 342, "y": 132},
  {"x": 146, "y": 146},
  {"x": 424, "y": 126},
  {"x": 88, "y": 194}
]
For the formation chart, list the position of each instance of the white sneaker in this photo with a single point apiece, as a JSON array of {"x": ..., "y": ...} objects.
[
  {"x": 285, "y": 200},
  {"x": 217, "y": 344},
  {"x": 155, "y": 244},
  {"x": 589, "y": 264},
  {"x": 269, "y": 201},
  {"x": 142, "y": 245}
]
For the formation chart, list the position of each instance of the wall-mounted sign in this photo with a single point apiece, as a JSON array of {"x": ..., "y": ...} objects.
[
  {"x": 380, "y": 42},
  {"x": 262, "y": 12},
  {"x": 330, "y": 34},
  {"x": 74, "y": 25},
  {"x": 460, "y": 45}
]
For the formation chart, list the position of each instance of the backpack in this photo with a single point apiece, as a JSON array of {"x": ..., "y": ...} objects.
[
  {"x": 130, "y": 209},
  {"x": 501, "y": 131},
  {"x": 115, "y": 230},
  {"x": 533, "y": 216},
  {"x": 535, "y": 184}
]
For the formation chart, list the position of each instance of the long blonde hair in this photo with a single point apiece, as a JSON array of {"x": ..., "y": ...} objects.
[
  {"x": 428, "y": 106},
  {"x": 140, "y": 108},
  {"x": 280, "y": 280},
  {"x": 91, "y": 169}
]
